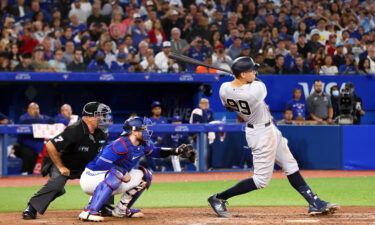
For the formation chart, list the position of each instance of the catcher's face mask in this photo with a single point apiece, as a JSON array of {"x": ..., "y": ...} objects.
[{"x": 146, "y": 133}]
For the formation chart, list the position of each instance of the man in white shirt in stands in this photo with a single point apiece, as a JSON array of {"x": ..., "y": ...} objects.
[
  {"x": 371, "y": 57},
  {"x": 164, "y": 64}
]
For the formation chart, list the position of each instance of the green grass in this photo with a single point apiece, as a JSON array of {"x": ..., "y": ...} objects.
[{"x": 355, "y": 191}]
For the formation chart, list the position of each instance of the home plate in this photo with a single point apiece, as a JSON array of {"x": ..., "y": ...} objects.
[{"x": 302, "y": 221}]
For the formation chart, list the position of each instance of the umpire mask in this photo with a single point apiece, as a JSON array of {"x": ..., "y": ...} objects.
[{"x": 101, "y": 112}]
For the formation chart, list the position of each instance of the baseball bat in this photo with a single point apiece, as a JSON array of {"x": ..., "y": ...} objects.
[{"x": 186, "y": 59}]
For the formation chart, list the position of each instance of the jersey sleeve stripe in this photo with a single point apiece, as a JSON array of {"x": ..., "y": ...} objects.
[
  {"x": 123, "y": 143},
  {"x": 105, "y": 160}
]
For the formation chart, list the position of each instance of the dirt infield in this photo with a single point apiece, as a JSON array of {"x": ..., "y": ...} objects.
[
  {"x": 195, "y": 216},
  {"x": 180, "y": 177},
  {"x": 203, "y": 216}
]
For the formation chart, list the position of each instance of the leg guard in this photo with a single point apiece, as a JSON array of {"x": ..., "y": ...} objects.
[
  {"x": 123, "y": 208},
  {"x": 104, "y": 190}
]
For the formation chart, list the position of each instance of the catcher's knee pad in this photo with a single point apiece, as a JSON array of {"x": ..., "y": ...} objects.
[
  {"x": 114, "y": 178},
  {"x": 261, "y": 181},
  {"x": 147, "y": 176}
]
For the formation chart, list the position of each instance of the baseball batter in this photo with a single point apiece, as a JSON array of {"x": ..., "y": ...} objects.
[{"x": 246, "y": 95}]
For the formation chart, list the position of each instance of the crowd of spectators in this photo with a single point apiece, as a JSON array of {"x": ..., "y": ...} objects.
[{"x": 284, "y": 36}]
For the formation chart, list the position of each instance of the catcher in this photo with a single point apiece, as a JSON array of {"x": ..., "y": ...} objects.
[{"x": 112, "y": 171}]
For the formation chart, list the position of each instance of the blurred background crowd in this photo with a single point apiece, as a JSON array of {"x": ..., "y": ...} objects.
[{"x": 284, "y": 36}]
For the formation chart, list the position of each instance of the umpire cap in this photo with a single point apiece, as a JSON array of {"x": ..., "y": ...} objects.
[{"x": 243, "y": 64}]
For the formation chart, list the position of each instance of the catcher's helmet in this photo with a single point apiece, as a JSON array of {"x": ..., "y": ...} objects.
[
  {"x": 243, "y": 64},
  {"x": 140, "y": 125}
]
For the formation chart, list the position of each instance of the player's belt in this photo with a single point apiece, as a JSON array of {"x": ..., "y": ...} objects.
[{"x": 265, "y": 125}]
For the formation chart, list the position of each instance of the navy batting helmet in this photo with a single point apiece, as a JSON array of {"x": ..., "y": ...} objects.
[
  {"x": 140, "y": 125},
  {"x": 243, "y": 64}
]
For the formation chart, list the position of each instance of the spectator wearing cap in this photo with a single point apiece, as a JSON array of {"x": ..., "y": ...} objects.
[
  {"x": 96, "y": 16},
  {"x": 137, "y": 30},
  {"x": 203, "y": 114},
  {"x": 339, "y": 57},
  {"x": 19, "y": 10},
  {"x": 69, "y": 52},
  {"x": 235, "y": 49},
  {"x": 220, "y": 58},
  {"x": 245, "y": 50},
  {"x": 350, "y": 67},
  {"x": 25, "y": 65},
  {"x": 178, "y": 45},
  {"x": 157, "y": 35},
  {"x": 57, "y": 64},
  {"x": 321, "y": 30},
  {"x": 77, "y": 65},
  {"x": 38, "y": 60},
  {"x": 328, "y": 68},
  {"x": 120, "y": 65},
  {"x": 279, "y": 65},
  {"x": 76, "y": 25},
  {"x": 203, "y": 69},
  {"x": 165, "y": 64},
  {"x": 314, "y": 44},
  {"x": 371, "y": 58},
  {"x": 81, "y": 9},
  {"x": 90, "y": 52},
  {"x": 157, "y": 118},
  {"x": 98, "y": 64},
  {"x": 197, "y": 51},
  {"x": 223, "y": 6}
]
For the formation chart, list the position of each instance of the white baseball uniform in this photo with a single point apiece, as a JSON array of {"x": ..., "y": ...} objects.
[{"x": 265, "y": 140}]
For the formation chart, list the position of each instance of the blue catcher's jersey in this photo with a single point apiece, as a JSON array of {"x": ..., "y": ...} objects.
[{"x": 122, "y": 153}]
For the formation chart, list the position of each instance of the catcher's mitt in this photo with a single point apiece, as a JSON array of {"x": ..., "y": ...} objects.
[{"x": 187, "y": 151}]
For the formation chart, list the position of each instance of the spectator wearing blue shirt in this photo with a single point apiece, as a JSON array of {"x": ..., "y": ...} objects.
[
  {"x": 157, "y": 118},
  {"x": 203, "y": 114},
  {"x": 75, "y": 25},
  {"x": 65, "y": 115},
  {"x": 172, "y": 140},
  {"x": 35, "y": 10},
  {"x": 297, "y": 105},
  {"x": 137, "y": 30},
  {"x": 29, "y": 147},
  {"x": 120, "y": 65},
  {"x": 67, "y": 36},
  {"x": 350, "y": 67},
  {"x": 290, "y": 58},
  {"x": 353, "y": 33},
  {"x": 198, "y": 51},
  {"x": 98, "y": 64},
  {"x": 235, "y": 49}
]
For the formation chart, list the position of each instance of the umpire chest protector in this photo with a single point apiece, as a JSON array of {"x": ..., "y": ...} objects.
[{"x": 78, "y": 146}]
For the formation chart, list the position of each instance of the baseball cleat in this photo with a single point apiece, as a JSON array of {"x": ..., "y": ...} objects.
[
  {"x": 29, "y": 213},
  {"x": 106, "y": 210},
  {"x": 327, "y": 208},
  {"x": 90, "y": 216},
  {"x": 219, "y": 206},
  {"x": 133, "y": 213}
]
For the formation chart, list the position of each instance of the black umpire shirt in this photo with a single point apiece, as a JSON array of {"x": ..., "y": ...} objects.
[{"x": 77, "y": 146}]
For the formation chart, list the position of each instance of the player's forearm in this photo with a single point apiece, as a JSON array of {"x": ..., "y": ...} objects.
[{"x": 54, "y": 155}]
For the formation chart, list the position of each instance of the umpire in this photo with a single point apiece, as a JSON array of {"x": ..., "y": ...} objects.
[{"x": 70, "y": 151}]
